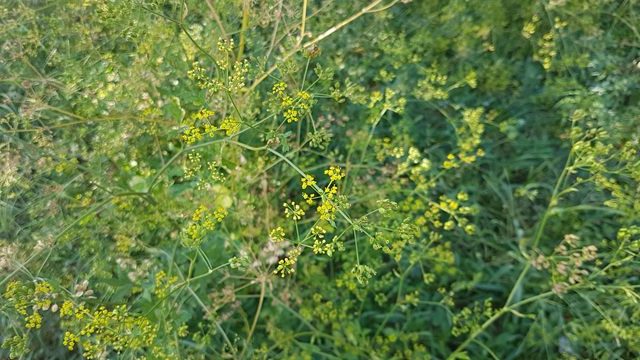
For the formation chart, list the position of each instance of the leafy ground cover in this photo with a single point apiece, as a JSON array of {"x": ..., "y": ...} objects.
[{"x": 277, "y": 179}]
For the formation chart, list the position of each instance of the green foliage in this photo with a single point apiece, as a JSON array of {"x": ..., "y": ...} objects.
[{"x": 367, "y": 179}]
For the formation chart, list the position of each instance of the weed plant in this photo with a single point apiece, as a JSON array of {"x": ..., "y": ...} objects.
[{"x": 278, "y": 179}]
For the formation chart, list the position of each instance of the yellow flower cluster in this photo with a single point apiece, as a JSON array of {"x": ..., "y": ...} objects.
[
  {"x": 191, "y": 135},
  {"x": 529, "y": 27},
  {"x": 293, "y": 210},
  {"x": 230, "y": 125},
  {"x": 327, "y": 207},
  {"x": 448, "y": 214},
  {"x": 469, "y": 133},
  {"x": 199, "y": 124},
  {"x": 70, "y": 340},
  {"x": 235, "y": 73},
  {"x": 236, "y": 80},
  {"x": 320, "y": 245},
  {"x": 327, "y": 210},
  {"x": 323, "y": 310},
  {"x": 278, "y": 89},
  {"x": 66, "y": 309},
  {"x": 202, "y": 221},
  {"x": 546, "y": 50},
  {"x": 287, "y": 266},
  {"x": 335, "y": 173},
  {"x": 309, "y": 199},
  {"x": 105, "y": 329},
  {"x": 304, "y": 96},
  {"x": 412, "y": 164},
  {"x": 394, "y": 240},
  {"x": 363, "y": 273},
  {"x": 202, "y": 79},
  {"x": 470, "y": 318},
  {"x": 291, "y": 115},
  {"x": 277, "y": 234},
  {"x": 42, "y": 295},
  {"x": 196, "y": 123},
  {"x": 308, "y": 181},
  {"x": 225, "y": 45},
  {"x": 202, "y": 114},
  {"x": 441, "y": 259},
  {"x": 33, "y": 321},
  {"x": 36, "y": 297},
  {"x": 432, "y": 87},
  {"x": 292, "y": 107},
  {"x": 163, "y": 284},
  {"x": 389, "y": 100},
  {"x": 95, "y": 331}
]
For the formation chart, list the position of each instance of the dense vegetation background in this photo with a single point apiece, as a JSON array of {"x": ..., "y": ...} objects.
[{"x": 278, "y": 179}]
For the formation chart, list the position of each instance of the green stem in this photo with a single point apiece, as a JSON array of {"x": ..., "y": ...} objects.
[{"x": 246, "y": 5}]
